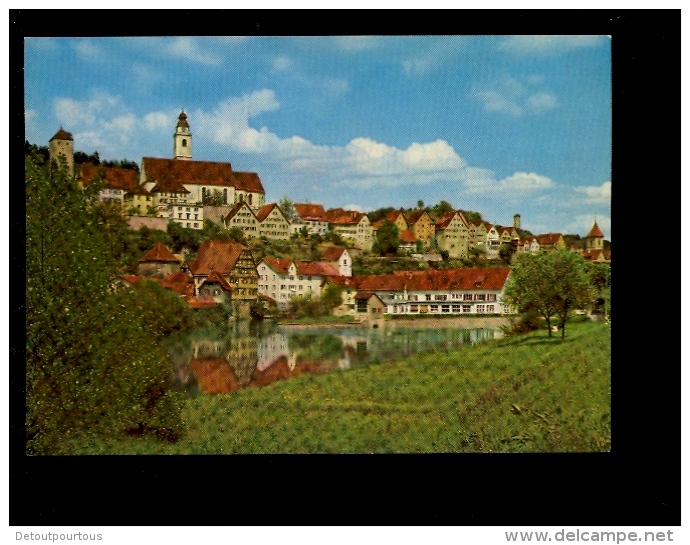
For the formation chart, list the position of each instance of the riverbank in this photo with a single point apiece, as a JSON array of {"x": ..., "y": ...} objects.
[
  {"x": 524, "y": 393},
  {"x": 460, "y": 322}
]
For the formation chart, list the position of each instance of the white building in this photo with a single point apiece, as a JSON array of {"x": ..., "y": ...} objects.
[{"x": 283, "y": 279}]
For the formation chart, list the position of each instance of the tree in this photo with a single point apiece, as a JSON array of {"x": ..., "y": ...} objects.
[
  {"x": 443, "y": 207},
  {"x": 420, "y": 204},
  {"x": 288, "y": 208},
  {"x": 506, "y": 251},
  {"x": 388, "y": 238},
  {"x": 551, "y": 283},
  {"x": 213, "y": 199},
  {"x": 94, "y": 366}
]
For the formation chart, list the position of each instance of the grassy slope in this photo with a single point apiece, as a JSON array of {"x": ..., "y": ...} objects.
[{"x": 526, "y": 393}]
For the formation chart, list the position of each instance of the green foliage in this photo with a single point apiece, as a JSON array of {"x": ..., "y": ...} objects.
[
  {"x": 379, "y": 214},
  {"x": 181, "y": 237},
  {"x": 93, "y": 364},
  {"x": 307, "y": 307},
  {"x": 472, "y": 216},
  {"x": 388, "y": 238},
  {"x": 288, "y": 208},
  {"x": 517, "y": 394},
  {"x": 443, "y": 207},
  {"x": 213, "y": 199},
  {"x": 505, "y": 252},
  {"x": 121, "y": 163},
  {"x": 551, "y": 283}
]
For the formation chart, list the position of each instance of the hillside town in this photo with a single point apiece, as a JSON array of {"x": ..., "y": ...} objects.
[{"x": 194, "y": 193}]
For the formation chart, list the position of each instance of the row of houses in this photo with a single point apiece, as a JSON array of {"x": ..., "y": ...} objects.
[{"x": 225, "y": 272}]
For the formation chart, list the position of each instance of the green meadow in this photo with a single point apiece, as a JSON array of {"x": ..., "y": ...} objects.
[{"x": 522, "y": 393}]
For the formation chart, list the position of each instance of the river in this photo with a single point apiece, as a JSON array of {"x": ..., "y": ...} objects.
[{"x": 247, "y": 353}]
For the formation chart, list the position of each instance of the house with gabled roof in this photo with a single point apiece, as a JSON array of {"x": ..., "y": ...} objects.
[
  {"x": 597, "y": 255},
  {"x": 551, "y": 241},
  {"x": 453, "y": 234},
  {"x": 408, "y": 241},
  {"x": 242, "y": 217},
  {"x": 422, "y": 226},
  {"x": 353, "y": 226},
  {"x": 273, "y": 223},
  {"x": 283, "y": 279},
  {"x": 478, "y": 232},
  {"x": 398, "y": 217},
  {"x": 444, "y": 292},
  {"x": 339, "y": 258},
  {"x": 117, "y": 181},
  {"x": 158, "y": 261},
  {"x": 312, "y": 216},
  {"x": 529, "y": 245},
  {"x": 234, "y": 263}
]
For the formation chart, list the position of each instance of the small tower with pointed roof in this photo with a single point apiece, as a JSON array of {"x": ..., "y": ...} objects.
[
  {"x": 62, "y": 144},
  {"x": 182, "y": 139},
  {"x": 516, "y": 221},
  {"x": 595, "y": 238}
]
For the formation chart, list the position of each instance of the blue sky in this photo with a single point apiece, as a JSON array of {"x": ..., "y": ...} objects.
[{"x": 496, "y": 124}]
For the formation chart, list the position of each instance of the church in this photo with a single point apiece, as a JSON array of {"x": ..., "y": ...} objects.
[{"x": 175, "y": 188}]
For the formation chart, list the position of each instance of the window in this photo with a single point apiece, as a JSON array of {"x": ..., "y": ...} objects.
[
  {"x": 428, "y": 297},
  {"x": 225, "y": 196},
  {"x": 414, "y": 308},
  {"x": 480, "y": 297},
  {"x": 188, "y": 215},
  {"x": 179, "y": 208},
  {"x": 481, "y": 309},
  {"x": 445, "y": 308},
  {"x": 301, "y": 278},
  {"x": 250, "y": 199},
  {"x": 187, "y": 225},
  {"x": 433, "y": 308},
  {"x": 184, "y": 142},
  {"x": 467, "y": 297},
  {"x": 467, "y": 308},
  {"x": 490, "y": 308},
  {"x": 196, "y": 216},
  {"x": 441, "y": 297},
  {"x": 282, "y": 286},
  {"x": 308, "y": 278},
  {"x": 456, "y": 308},
  {"x": 490, "y": 296}
]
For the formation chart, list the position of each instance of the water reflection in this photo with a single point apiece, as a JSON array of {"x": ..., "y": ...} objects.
[{"x": 248, "y": 354}]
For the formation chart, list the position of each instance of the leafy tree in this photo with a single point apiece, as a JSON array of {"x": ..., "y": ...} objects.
[
  {"x": 551, "y": 283},
  {"x": 443, "y": 207},
  {"x": 379, "y": 214},
  {"x": 213, "y": 199},
  {"x": 388, "y": 238},
  {"x": 506, "y": 251},
  {"x": 94, "y": 366},
  {"x": 288, "y": 208},
  {"x": 420, "y": 204},
  {"x": 304, "y": 231},
  {"x": 471, "y": 216}
]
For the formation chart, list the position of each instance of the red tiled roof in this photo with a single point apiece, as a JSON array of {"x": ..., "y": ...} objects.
[
  {"x": 444, "y": 220},
  {"x": 595, "y": 232},
  {"x": 113, "y": 177},
  {"x": 280, "y": 265},
  {"x": 171, "y": 173},
  {"x": 179, "y": 282},
  {"x": 130, "y": 278},
  {"x": 392, "y": 216},
  {"x": 594, "y": 255},
  {"x": 248, "y": 181},
  {"x": 364, "y": 295},
  {"x": 159, "y": 253},
  {"x": 407, "y": 237},
  {"x": 346, "y": 281},
  {"x": 216, "y": 255},
  {"x": 237, "y": 208},
  {"x": 548, "y": 239},
  {"x": 415, "y": 216},
  {"x": 202, "y": 301},
  {"x": 445, "y": 279},
  {"x": 332, "y": 253},
  {"x": 215, "y": 277},
  {"x": 137, "y": 190},
  {"x": 347, "y": 217},
  {"x": 61, "y": 135},
  {"x": 318, "y": 268},
  {"x": 310, "y": 212},
  {"x": 265, "y": 210},
  {"x": 377, "y": 224}
]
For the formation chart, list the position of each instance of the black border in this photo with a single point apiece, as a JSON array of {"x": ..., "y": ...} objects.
[{"x": 637, "y": 483}]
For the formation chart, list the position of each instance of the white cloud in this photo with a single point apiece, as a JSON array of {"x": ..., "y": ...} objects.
[
  {"x": 71, "y": 112},
  {"x": 515, "y": 98},
  {"x": 582, "y": 223},
  {"x": 525, "y": 182},
  {"x": 156, "y": 121},
  {"x": 547, "y": 45},
  {"x": 188, "y": 48},
  {"x": 355, "y": 207},
  {"x": 596, "y": 194},
  {"x": 482, "y": 181}
]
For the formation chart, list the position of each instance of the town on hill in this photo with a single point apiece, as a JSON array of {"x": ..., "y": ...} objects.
[{"x": 233, "y": 248}]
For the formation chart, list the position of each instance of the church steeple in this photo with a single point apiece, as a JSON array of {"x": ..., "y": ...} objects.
[{"x": 182, "y": 139}]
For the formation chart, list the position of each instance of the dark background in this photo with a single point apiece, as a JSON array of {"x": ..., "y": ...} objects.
[{"x": 637, "y": 483}]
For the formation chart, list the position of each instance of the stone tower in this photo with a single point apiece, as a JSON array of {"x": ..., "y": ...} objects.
[
  {"x": 516, "y": 221},
  {"x": 182, "y": 139},
  {"x": 595, "y": 238},
  {"x": 62, "y": 144}
]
